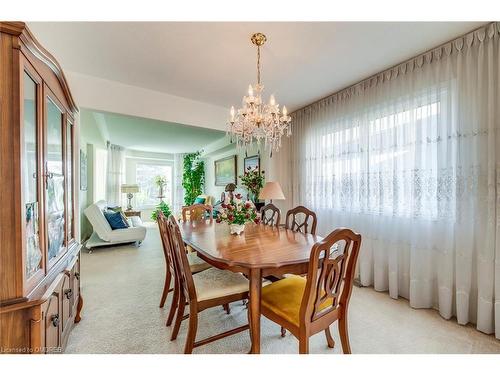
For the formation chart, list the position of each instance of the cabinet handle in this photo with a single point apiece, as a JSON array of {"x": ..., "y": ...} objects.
[
  {"x": 68, "y": 293},
  {"x": 55, "y": 320},
  {"x": 77, "y": 275}
]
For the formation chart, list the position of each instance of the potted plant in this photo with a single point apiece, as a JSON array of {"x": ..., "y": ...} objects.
[
  {"x": 161, "y": 207},
  {"x": 160, "y": 181},
  {"x": 253, "y": 181},
  {"x": 236, "y": 213}
]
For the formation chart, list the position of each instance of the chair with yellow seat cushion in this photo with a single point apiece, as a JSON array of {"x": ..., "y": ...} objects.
[{"x": 306, "y": 306}]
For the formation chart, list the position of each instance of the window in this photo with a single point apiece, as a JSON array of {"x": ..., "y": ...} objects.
[
  {"x": 146, "y": 173},
  {"x": 100, "y": 165},
  {"x": 383, "y": 161}
]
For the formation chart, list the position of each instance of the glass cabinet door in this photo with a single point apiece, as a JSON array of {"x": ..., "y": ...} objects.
[
  {"x": 69, "y": 178},
  {"x": 33, "y": 253},
  {"x": 54, "y": 185}
]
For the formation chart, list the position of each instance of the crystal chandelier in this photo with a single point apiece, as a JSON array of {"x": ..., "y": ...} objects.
[{"x": 255, "y": 120}]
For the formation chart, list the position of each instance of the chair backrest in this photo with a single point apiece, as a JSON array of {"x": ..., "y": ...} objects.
[
  {"x": 270, "y": 215},
  {"x": 197, "y": 212},
  {"x": 330, "y": 276},
  {"x": 95, "y": 215},
  {"x": 166, "y": 241},
  {"x": 297, "y": 219},
  {"x": 182, "y": 267}
]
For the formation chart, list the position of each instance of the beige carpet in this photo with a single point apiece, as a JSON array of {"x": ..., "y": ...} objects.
[{"x": 121, "y": 287}]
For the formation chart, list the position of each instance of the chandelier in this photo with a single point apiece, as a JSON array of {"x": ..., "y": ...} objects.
[{"x": 255, "y": 120}]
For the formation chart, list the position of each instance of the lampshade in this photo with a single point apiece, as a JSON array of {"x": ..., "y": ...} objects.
[
  {"x": 271, "y": 190},
  {"x": 130, "y": 188}
]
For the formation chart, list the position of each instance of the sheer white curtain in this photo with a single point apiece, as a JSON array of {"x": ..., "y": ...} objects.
[
  {"x": 411, "y": 160},
  {"x": 178, "y": 190},
  {"x": 115, "y": 174}
]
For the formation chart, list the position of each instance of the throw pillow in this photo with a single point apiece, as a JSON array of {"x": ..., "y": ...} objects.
[
  {"x": 115, "y": 220},
  {"x": 120, "y": 210},
  {"x": 199, "y": 200}
]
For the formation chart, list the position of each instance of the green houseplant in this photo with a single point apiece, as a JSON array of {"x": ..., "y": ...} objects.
[
  {"x": 193, "y": 177},
  {"x": 163, "y": 207}
]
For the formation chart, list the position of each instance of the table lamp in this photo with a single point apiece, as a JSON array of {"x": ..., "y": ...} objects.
[
  {"x": 130, "y": 189},
  {"x": 272, "y": 190}
]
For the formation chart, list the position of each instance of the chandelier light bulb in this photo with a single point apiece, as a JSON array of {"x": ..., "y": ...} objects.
[
  {"x": 250, "y": 90},
  {"x": 232, "y": 113},
  {"x": 285, "y": 112}
]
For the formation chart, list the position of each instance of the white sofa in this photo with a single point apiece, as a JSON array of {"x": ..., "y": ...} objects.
[{"x": 103, "y": 234}]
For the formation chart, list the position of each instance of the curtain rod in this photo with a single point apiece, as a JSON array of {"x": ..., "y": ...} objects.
[{"x": 395, "y": 66}]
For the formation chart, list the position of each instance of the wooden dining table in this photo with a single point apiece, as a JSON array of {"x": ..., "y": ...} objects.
[{"x": 258, "y": 252}]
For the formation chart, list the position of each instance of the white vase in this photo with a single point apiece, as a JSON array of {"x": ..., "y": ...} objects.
[{"x": 236, "y": 228}]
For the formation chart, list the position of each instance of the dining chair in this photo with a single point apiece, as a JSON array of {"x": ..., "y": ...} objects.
[
  {"x": 197, "y": 211},
  {"x": 297, "y": 219},
  {"x": 306, "y": 306},
  {"x": 210, "y": 288},
  {"x": 196, "y": 265},
  {"x": 270, "y": 215}
]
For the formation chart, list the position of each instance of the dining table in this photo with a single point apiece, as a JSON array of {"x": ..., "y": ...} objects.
[{"x": 259, "y": 251}]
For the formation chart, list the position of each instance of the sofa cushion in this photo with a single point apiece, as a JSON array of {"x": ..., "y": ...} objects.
[
  {"x": 115, "y": 220},
  {"x": 136, "y": 231},
  {"x": 118, "y": 209},
  {"x": 199, "y": 200},
  {"x": 98, "y": 221}
]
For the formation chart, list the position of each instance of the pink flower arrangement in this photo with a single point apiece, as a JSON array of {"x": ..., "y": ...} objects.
[{"x": 236, "y": 211}]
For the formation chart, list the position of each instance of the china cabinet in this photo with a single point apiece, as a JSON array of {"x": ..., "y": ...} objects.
[{"x": 39, "y": 255}]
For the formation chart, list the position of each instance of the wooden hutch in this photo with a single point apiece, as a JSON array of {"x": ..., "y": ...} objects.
[{"x": 39, "y": 250}]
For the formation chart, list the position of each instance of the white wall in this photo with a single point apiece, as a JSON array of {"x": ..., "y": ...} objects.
[
  {"x": 111, "y": 96},
  {"x": 210, "y": 158}
]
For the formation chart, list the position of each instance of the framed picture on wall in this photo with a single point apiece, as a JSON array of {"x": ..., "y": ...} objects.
[
  {"x": 225, "y": 171},
  {"x": 251, "y": 163},
  {"x": 83, "y": 171}
]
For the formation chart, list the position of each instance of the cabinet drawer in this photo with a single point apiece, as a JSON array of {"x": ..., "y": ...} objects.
[
  {"x": 66, "y": 301},
  {"x": 52, "y": 323}
]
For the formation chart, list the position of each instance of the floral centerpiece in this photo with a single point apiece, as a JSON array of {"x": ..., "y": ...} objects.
[
  {"x": 253, "y": 181},
  {"x": 236, "y": 213}
]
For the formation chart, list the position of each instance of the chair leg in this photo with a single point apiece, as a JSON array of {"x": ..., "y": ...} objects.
[
  {"x": 304, "y": 345},
  {"x": 283, "y": 332},
  {"x": 344, "y": 336},
  {"x": 193, "y": 326},
  {"x": 178, "y": 319},
  {"x": 166, "y": 287},
  {"x": 173, "y": 305},
  {"x": 227, "y": 308},
  {"x": 329, "y": 338}
]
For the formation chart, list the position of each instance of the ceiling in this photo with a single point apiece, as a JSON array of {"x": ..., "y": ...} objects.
[
  {"x": 215, "y": 62},
  {"x": 142, "y": 134}
]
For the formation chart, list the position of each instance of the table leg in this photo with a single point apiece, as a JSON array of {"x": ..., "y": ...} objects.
[{"x": 254, "y": 308}]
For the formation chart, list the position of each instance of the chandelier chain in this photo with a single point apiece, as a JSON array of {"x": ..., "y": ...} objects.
[{"x": 258, "y": 65}]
